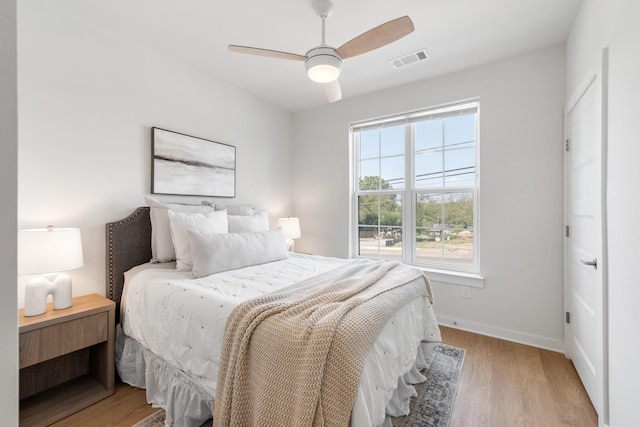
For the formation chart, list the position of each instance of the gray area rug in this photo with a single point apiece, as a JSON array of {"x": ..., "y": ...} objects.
[
  {"x": 431, "y": 408},
  {"x": 436, "y": 396}
]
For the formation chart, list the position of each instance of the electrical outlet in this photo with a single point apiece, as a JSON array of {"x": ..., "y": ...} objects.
[{"x": 466, "y": 292}]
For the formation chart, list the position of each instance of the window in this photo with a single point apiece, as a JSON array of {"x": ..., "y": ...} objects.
[{"x": 416, "y": 188}]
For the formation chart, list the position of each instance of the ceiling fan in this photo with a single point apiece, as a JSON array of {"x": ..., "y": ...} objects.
[{"x": 323, "y": 62}]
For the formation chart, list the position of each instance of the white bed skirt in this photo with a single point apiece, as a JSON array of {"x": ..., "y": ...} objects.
[
  {"x": 184, "y": 401},
  {"x": 188, "y": 404}
]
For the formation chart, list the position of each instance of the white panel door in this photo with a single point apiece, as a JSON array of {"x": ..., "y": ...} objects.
[{"x": 585, "y": 290}]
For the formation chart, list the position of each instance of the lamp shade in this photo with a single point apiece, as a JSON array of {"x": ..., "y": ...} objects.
[
  {"x": 49, "y": 250},
  {"x": 290, "y": 227}
]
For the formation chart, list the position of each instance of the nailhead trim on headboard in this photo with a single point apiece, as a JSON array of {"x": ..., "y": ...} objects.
[{"x": 128, "y": 243}]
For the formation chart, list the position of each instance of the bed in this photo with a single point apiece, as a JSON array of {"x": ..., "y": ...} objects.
[{"x": 171, "y": 332}]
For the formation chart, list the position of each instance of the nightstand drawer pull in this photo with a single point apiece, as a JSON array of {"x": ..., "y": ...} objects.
[{"x": 46, "y": 343}]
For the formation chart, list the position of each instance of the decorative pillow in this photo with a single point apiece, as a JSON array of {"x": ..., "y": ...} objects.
[
  {"x": 249, "y": 223},
  {"x": 236, "y": 209},
  {"x": 162, "y": 249},
  {"x": 213, "y": 253},
  {"x": 211, "y": 222}
]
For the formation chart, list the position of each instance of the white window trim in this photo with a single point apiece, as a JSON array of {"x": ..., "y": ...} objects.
[
  {"x": 451, "y": 277},
  {"x": 448, "y": 275}
]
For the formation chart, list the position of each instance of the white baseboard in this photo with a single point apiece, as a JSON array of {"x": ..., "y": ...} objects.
[{"x": 505, "y": 334}]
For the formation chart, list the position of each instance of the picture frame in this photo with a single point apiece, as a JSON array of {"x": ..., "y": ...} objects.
[{"x": 190, "y": 166}]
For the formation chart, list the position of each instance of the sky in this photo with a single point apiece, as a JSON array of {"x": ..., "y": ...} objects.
[{"x": 382, "y": 153}]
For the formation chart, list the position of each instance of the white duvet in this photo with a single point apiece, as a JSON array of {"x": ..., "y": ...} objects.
[{"x": 182, "y": 320}]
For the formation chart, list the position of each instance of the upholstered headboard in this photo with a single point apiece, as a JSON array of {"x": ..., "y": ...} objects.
[{"x": 128, "y": 244}]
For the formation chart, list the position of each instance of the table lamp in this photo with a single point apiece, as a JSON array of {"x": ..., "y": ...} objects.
[
  {"x": 291, "y": 229},
  {"x": 47, "y": 252}
]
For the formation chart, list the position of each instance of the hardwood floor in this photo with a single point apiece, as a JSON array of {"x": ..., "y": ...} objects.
[
  {"x": 127, "y": 406},
  {"x": 503, "y": 384},
  {"x": 508, "y": 384}
]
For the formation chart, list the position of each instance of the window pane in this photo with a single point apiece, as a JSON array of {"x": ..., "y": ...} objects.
[
  {"x": 368, "y": 210},
  {"x": 392, "y": 141},
  {"x": 368, "y": 244},
  {"x": 428, "y": 211},
  {"x": 380, "y": 244},
  {"x": 370, "y": 175},
  {"x": 445, "y": 248},
  {"x": 428, "y": 135},
  {"x": 444, "y": 229},
  {"x": 460, "y": 131},
  {"x": 391, "y": 210},
  {"x": 429, "y": 170},
  {"x": 458, "y": 211},
  {"x": 428, "y": 247},
  {"x": 460, "y": 169},
  {"x": 458, "y": 249},
  {"x": 429, "y": 228},
  {"x": 370, "y": 144},
  {"x": 390, "y": 243},
  {"x": 384, "y": 210},
  {"x": 392, "y": 172},
  {"x": 385, "y": 240}
]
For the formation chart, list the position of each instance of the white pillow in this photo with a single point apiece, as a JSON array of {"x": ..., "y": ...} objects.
[
  {"x": 162, "y": 249},
  {"x": 249, "y": 223},
  {"x": 236, "y": 209},
  {"x": 213, "y": 253},
  {"x": 211, "y": 222}
]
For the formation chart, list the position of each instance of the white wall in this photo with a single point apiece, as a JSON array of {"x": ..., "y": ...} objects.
[
  {"x": 8, "y": 211},
  {"x": 521, "y": 132},
  {"x": 88, "y": 99},
  {"x": 613, "y": 23}
]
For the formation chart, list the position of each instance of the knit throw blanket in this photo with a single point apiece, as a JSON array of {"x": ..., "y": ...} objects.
[{"x": 294, "y": 357}]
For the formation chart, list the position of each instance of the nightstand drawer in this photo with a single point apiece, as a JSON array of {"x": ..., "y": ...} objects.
[{"x": 46, "y": 343}]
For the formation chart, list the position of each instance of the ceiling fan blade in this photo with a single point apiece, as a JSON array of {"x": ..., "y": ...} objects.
[
  {"x": 266, "y": 52},
  {"x": 332, "y": 91},
  {"x": 377, "y": 37}
]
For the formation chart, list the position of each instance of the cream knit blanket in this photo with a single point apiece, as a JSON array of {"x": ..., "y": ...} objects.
[{"x": 294, "y": 357}]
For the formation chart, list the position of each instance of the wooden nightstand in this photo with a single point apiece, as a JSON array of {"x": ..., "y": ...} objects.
[{"x": 66, "y": 359}]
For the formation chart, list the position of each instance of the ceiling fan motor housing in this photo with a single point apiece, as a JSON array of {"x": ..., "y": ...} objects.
[{"x": 323, "y": 64}]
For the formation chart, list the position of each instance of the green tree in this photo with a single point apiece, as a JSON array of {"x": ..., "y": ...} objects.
[
  {"x": 428, "y": 210},
  {"x": 373, "y": 207},
  {"x": 459, "y": 211},
  {"x": 368, "y": 183}
]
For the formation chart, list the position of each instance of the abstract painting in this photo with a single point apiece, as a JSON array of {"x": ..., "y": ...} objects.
[{"x": 187, "y": 165}]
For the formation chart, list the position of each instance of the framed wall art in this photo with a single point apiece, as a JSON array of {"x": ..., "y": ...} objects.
[{"x": 186, "y": 165}]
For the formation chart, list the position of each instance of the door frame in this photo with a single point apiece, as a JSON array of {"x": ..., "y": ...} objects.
[{"x": 597, "y": 70}]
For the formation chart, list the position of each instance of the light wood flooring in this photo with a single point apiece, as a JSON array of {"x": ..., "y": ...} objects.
[{"x": 503, "y": 384}]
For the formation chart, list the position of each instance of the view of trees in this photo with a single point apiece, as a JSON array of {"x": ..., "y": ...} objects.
[
  {"x": 458, "y": 211},
  {"x": 422, "y": 171},
  {"x": 390, "y": 205}
]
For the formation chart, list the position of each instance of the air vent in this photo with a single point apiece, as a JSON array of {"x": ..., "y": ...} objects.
[{"x": 412, "y": 58}]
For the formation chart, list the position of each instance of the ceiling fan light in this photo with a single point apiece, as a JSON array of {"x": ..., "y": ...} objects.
[
  {"x": 323, "y": 65},
  {"x": 323, "y": 73}
]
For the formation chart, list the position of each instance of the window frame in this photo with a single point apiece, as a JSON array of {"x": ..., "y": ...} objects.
[{"x": 467, "y": 276}]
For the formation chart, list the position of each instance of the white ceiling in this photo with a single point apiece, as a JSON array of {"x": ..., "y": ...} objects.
[{"x": 458, "y": 34}]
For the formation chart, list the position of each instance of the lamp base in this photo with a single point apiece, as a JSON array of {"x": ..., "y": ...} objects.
[
  {"x": 291, "y": 245},
  {"x": 39, "y": 288}
]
